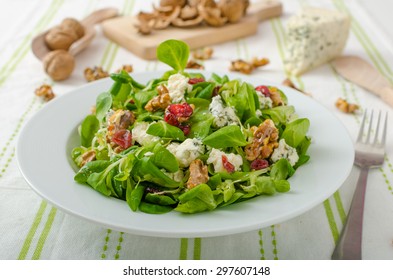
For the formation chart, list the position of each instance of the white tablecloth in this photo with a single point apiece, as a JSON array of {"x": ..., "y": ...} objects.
[{"x": 31, "y": 228}]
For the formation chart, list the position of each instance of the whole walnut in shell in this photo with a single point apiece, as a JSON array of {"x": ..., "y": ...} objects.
[
  {"x": 71, "y": 23},
  {"x": 60, "y": 38},
  {"x": 59, "y": 64}
]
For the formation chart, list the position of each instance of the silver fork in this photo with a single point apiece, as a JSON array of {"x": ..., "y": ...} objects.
[{"x": 368, "y": 154}]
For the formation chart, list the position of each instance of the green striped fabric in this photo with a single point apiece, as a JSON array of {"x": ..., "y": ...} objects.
[{"x": 32, "y": 228}]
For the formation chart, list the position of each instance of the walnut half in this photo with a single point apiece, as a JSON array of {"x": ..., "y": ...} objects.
[{"x": 264, "y": 141}]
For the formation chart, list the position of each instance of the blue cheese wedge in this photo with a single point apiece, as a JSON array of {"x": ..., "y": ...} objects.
[{"x": 315, "y": 36}]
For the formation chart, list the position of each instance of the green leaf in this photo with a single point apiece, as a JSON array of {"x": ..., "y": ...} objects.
[
  {"x": 142, "y": 97},
  {"x": 228, "y": 136},
  {"x": 282, "y": 185},
  {"x": 159, "y": 199},
  {"x": 150, "y": 208},
  {"x": 89, "y": 127},
  {"x": 103, "y": 104},
  {"x": 174, "y": 53},
  {"x": 295, "y": 132},
  {"x": 281, "y": 170},
  {"x": 135, "y": 197},
  {"x": 148, "y": 171},
  {"x": 165, "y": 130},
  {"x": 89, "y": 168},
  {"x": 163, "y": 158},
  {"x": 228, "y": 189},
  {"x": 197, "y": 199},
  {"x": 279, "y": 114}
]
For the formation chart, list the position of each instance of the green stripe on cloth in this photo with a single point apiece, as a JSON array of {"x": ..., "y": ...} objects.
[
  {"x": 24, "y": 48},
  {"x": 274, "y": 242},
  {"x": 7, "y": 163},
  {"x": 18, "y": 127},
  {"x": 345, "y": 91},
  {"x": 340, "y": 207},
  {"x": 118, "y": 247},
  {"x": 331, "y": 220},
  {"x": 33, "y": 229},
  {"x": 261, "y": 249},
  {"x": 197, "y": 248},
  {"x": 44, "y": 234},
  {"x": 105, "y": 247},
  {"x": 385, "y": 177},
  {"x": 183, "y": 248}
]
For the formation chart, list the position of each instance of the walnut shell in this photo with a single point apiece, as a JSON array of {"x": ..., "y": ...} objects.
[
  {"x": 71, "y": 23},
  {"x": 233, "y": 10},
  {"x": 60, "y": 38},
  {"x": 59, "y": 64}
]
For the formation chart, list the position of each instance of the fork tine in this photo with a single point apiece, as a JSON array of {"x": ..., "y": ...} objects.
[
  {"x": 361, "y": 130},
  {"x": 377, "y": 129},
  {"x": 385, "y": 128},
  {"x": 369, "y": 127}
]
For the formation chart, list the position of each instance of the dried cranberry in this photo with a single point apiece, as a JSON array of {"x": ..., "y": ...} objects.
[
  {"x": 264, "y": 89},
  {"x": 186, "y": 128},
  {"x": 193, "y": 81},
  {"x": 123, "y": 138},
  {"x": 216, "y": 90},
  {"x": 171, "y": 119},
  {"x": 227, "y": 165},
  {"x": 180, "y": 110},
  {"x": 259, "y": 164}
]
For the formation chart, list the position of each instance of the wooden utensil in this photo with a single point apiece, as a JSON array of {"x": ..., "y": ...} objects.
[
  {"x": 122, "y": 31},
  {"x": 40, "y": 49},
  {"x": 362, "y": 73}
]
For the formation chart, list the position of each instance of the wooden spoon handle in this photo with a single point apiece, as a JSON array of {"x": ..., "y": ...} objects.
[
  {"x": 386, "y": 95},
  {"x": 99, "y": 16}
]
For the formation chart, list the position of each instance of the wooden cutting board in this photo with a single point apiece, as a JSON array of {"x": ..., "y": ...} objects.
[{"x": 122, "y": 31}]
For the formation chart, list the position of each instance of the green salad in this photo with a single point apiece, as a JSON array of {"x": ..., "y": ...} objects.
[{"x": 187, "y": 142}]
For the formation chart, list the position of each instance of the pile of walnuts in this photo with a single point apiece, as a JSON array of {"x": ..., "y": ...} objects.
[
  {"x": 190, "y": 13},
  {"x": 59, "y": 63}
]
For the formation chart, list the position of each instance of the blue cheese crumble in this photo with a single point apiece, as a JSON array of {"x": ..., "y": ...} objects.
[
  {"x": 315, "y": 36},
  {"x": 187, "y": 151},
  {"x": 223, "y": 115},
  {"x": 177, "y": 86},
  {"x": 285, "y": 151},
  {"x": 215, "y": 158},
  {"x": 139, "y": 134}
]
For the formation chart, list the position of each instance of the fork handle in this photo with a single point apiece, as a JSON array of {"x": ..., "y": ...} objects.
[{"x": 349, "y": 246}]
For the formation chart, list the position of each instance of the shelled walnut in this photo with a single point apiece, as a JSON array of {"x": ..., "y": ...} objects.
[
  {"x": 346, "y": 107},
  {"x": 190, "y": 13},
  {"x": 95, "y": 73},
  {"x": 126, "y": 67},
  {"x": 247, "y": 67},
  {"x": 191, "y": 64},
  {"x": 45, "y": 91},
  {"x": 203, "y": 53}
]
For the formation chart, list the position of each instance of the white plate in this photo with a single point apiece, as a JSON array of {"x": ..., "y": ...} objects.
[{"x": 45, "y": 143}]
